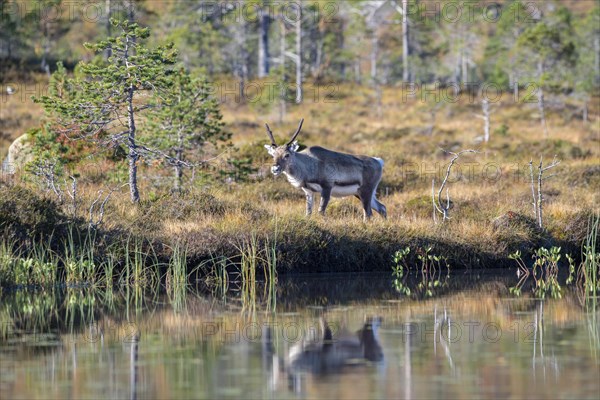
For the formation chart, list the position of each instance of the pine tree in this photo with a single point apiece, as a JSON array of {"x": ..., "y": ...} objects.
[
  {"x": 587, "y": 72},
  {"x": 50, "y": 153},
  {"x": 185, "y": 121},
  {"x": 500, "y": 52},
  {"x": 104, "y": 104},
  {"x": 547, "y": 54}
]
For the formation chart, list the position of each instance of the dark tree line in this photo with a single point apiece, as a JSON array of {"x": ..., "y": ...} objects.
[{"x": 355, "y": 40}]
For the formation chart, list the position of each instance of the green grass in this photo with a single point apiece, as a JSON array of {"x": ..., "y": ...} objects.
[
  {"x": 37, "y": 266},
  {"x": 427, "y": 279},
  {"x": 589, "y": 275},
  {"x": 177, "y": 282}
]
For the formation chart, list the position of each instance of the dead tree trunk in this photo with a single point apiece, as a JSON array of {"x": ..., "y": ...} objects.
[
  {"x": 263, "y": 44},
  {"x": 438, "y": 204},
  {"x": 485, "y": 108},
  {"x": 533, "y": 196},
  {"x": 538, "y": 198}
]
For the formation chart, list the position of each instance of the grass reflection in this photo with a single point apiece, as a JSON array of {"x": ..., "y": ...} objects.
[{"x": 142, "y": 344}]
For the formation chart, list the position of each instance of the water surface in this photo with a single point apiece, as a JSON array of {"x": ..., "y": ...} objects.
[{"x": 79, "y": 343}]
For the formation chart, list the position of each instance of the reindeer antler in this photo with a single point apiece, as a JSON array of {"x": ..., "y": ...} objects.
[
  {"x": 270, "y": 135},
  {"x": 297, "y": 132}
]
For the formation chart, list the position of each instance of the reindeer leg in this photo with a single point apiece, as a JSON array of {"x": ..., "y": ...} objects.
[
  {"x": 365, "y": 198},
  {"x": 309, "y": 201},
  {"x": 325, "y": 196},
  {"x": 378, "y": 206},
  {"x": 367, "y": 211}
]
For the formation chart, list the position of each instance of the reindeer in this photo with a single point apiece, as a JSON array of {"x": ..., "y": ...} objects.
[
  {"x": 318, "y": 170},
  {"x": 331, "y": 355},
  {"x": 324, "y": 356}
]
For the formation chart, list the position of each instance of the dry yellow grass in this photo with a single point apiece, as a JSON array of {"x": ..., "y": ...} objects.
[{"x": 484, "y": 187}]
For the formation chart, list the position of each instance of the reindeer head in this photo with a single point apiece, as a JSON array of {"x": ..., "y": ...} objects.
[{"x": 282, "y": 155}]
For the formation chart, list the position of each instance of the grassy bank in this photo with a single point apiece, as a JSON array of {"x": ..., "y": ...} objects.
[
  {"x": 158, "y": 240},
  {"x": 218, "y": 222}
]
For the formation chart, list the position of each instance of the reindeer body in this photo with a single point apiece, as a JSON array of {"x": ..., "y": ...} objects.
[
  {"x": 333, "y": 354},
  {"x": 326, "y": 355},
  {"x": 329, "y": 173}
]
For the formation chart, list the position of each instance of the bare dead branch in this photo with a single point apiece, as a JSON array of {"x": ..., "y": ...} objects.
[
  {"x": 538, "y": 198},
  {"x": 438, "y": 204},
  {"x": 46, "y": 171},
  {"x": 172, "y": 160},
  {"x": 534, "y": 203},
  {"x": 95, "y": 222}
]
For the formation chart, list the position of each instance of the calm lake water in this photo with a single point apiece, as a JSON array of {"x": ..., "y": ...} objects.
[{"x": 479, "y": 343}]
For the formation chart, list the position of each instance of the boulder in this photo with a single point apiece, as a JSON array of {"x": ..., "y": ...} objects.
[{"x": 20, "y": 153}]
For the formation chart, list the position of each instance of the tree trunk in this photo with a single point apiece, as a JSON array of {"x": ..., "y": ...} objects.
[
  {"x": 130, "y": 11},
  {"x": 540, "y": 197},
  {"x": 240, "y": 66},
  {"x": 405, "y": 49},
  {"x": 542, "y": 110},
  {"x": 597, "y": 58},
  {"x": 485, "y": 107},
  {"x": 464, "y": 57},
  {"x": 374, "y": 54},
  {"x": 379, "y": 98},
  {"x": 316, "y": 70},
  {"x": 464, "y": 67},
  {"x": 108, "y": 12},
  {"x": 263, "y": 44},
  {"x": 242, "y": 37},
  {"x": 178, "y": 178},
  {"x": 133, "y": 155},
  {"x": 534, "y": 197},
  {"x": 283, "y": 90},
  {"x": 178, "y": 167},
  {"x": 357, "y": 70},
  {"x": 46, "y": 48},
  {"x": 342, "y": 44},
  {"x": 541, "y": 105},
  {"x": 299, "y": 55}
]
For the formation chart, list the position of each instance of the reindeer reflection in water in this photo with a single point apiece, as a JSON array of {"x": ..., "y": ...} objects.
[{"x": 328, "y": 355}]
